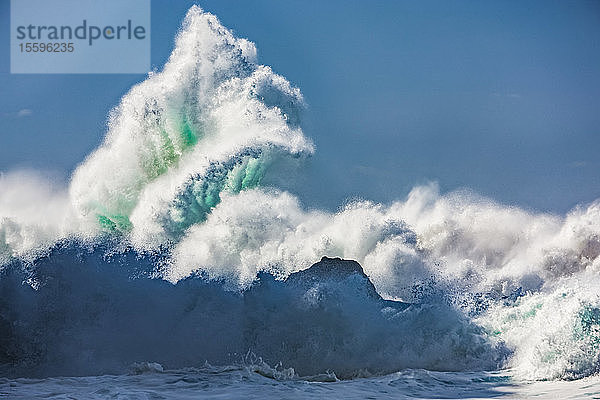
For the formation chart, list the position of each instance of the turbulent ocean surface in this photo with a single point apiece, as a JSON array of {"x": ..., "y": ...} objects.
[{"x": 173, "y": 267}]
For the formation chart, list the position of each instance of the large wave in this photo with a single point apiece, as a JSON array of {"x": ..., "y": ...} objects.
[{"x": 174, "y": 195}]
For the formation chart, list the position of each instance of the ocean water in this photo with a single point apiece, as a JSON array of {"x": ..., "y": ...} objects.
[
  {"x": 253, "y": 383},
  {"x": 173, "y": 267}
]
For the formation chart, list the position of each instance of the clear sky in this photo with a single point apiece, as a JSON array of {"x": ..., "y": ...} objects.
[{"x": 499, "y": 97}]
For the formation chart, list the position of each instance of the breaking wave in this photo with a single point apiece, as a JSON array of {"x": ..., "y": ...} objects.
[{"x": 166, "y": 247}]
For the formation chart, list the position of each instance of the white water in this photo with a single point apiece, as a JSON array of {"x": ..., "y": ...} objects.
[
  {"x": 179, "y": 175},
  {"x": 256, "y": 382}
]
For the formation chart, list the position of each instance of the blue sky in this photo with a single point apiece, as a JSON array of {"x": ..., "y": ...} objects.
[{"x": 498, "y": 97}]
